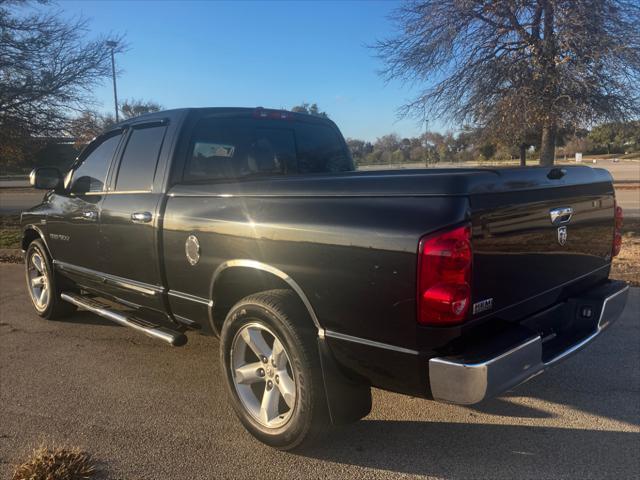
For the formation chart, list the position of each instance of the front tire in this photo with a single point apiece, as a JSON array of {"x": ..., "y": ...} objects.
[
  {"x": 272, "y": 369},
  {"x": 42, "y": 284}
]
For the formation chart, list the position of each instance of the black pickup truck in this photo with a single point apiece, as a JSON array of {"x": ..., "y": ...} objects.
[{"x": 321, "y": 281}]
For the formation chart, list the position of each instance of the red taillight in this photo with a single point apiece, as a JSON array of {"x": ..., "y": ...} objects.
[
  {"x": 617, "y": 229},
  {"x": 444, "y": 277}
]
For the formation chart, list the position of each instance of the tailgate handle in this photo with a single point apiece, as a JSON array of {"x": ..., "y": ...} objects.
[
  {"x": 556, "y": 173},
  {"x": 560, "y": 215}
]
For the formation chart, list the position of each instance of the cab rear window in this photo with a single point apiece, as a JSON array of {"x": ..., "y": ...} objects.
[{"x": 237, "y": 148}]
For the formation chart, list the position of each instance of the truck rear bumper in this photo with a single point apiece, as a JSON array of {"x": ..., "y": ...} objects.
[{"x": 471, "y": 378}]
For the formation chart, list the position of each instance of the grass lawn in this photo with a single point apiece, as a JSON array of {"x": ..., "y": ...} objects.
[
  {"x": 10, "y": 238},
  {"x": 626, "y": 266},
  {"x": 10, "y": 231}
]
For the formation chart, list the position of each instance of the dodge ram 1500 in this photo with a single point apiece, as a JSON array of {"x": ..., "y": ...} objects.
[{"x": 322, "y": 281}]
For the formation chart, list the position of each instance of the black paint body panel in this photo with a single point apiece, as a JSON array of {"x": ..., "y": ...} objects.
[
  {"x": 355, "y": 258},
  {"x": 349, "y": 241}
]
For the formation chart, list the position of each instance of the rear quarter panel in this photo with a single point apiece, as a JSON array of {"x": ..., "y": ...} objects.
[{"x": 353, "y": 256}]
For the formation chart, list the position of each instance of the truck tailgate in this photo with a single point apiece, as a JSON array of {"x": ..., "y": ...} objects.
[{"x": 535, "y": 240}]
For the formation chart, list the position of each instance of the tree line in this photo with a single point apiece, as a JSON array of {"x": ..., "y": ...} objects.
[
  {"x": 520, "y": 72},
  {"x": 518, "y": 69},
  {"x": 471, "y": 145}
]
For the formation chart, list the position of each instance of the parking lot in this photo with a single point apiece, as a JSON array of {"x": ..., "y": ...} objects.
[{"x": 148, "y": 411}]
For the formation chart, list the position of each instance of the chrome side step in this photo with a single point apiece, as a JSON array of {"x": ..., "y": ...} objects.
[{"x": 158, "y": 332}]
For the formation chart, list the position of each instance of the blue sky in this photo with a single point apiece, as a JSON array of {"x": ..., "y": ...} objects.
[{"x": 272, "y": 54}]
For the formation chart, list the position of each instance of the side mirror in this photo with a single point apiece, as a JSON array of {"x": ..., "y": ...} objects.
[{"x": 46, "y": 178}]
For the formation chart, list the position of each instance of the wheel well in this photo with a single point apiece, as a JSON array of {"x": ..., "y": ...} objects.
[
  {"x": 29, "y": 236},
  {"x": 233, "y": 284}
]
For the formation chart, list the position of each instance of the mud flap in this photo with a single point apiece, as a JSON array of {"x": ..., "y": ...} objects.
[{"x": 348, "y": 400}]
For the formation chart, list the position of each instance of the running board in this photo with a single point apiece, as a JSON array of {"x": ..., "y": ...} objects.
[{"x": 172, "y": 337}]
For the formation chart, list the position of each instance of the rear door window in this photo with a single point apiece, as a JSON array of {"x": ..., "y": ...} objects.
[{"x": 140, "y": 159}]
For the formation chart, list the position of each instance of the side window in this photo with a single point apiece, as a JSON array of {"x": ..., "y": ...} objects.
[
  {"x": 218, "y": 150},
  {"x": 140, "y": 158},
  {"x": 273, "y": 150},
  {"x": 235, "y": 148},
  {"x": 92, "y": 172},
  {"x": 232, "y": 148},
  {"x": 320, "y": 150}
]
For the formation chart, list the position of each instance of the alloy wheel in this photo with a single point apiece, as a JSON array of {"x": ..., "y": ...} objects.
[
  {"x": 262, "y": 375},
  {"x": 37, "y": 277}
]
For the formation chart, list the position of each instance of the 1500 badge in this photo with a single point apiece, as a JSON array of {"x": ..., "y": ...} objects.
[
  {"x": 58, "y": 236},
  {"x": 483, "y": 306}
]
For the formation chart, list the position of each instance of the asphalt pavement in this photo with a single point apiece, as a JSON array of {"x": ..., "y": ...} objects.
[
  {"x": 15, "y": 200},
  {"x": 14, "y": 181},
  {"x": 149, "y": 411},
  {"x": 629, "y": 200}
]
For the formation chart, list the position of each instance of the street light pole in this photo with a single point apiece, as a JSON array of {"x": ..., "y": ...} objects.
[
  {"x": 111, "y": 44},
  {"x": 425, "y": 144}
]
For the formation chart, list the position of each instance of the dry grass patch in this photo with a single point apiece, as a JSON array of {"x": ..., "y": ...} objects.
[
  {"x": 10, "y": 238},
  {"x": 56, "y": 464},
  {"x": 10, "y": 233},
  {"x": 9, "y": 221},
  {"x": 626, "y": 266}
]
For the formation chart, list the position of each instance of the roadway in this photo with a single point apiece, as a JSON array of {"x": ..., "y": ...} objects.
[{"x": 145, "y": 410}]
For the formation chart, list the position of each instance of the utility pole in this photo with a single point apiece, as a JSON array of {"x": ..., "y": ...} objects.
[
  {"x": 112, "y": 45},
  {"x": 425, "y": 145}
]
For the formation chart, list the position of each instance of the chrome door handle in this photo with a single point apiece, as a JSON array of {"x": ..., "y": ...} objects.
[
  {"x": 90, "y": 215},
  {"x": 141, "y": 217}
]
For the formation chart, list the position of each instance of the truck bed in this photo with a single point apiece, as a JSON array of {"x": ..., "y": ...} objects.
[{"x": 355, "y": 235}]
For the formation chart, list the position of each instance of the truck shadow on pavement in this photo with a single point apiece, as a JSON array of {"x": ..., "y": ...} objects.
[
  {"x": 580, "y": 420},
  {"x": 502, "y": 407},
  {"x": 509, "y": 445},
  {"x": 459, "y": 450},
  {"x": 594, "y": 432}
]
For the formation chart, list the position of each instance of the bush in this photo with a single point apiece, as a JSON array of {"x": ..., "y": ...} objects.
[{"x": 56, "y": 464}]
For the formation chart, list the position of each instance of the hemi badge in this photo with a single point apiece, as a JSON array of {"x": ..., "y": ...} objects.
[{"x": 483, "y": 306}]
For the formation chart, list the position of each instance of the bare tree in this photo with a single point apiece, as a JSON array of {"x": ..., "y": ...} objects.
[
  {"x": 47, "y": 72},
  {"x": 134, "y": 108},
  {"x": 513, "y": 66},
  {"x": 90, "y": 123},
  {"x": 310, "y": 109},
  {"x": 87, "y": 126}
]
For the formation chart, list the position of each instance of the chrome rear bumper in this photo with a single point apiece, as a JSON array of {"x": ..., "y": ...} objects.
[{"x": 455, "y": 380}]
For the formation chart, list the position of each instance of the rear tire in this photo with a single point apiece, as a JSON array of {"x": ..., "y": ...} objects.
[
  {"x": 272, "y": 369},
  {"x": 43, "y": 285}
]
